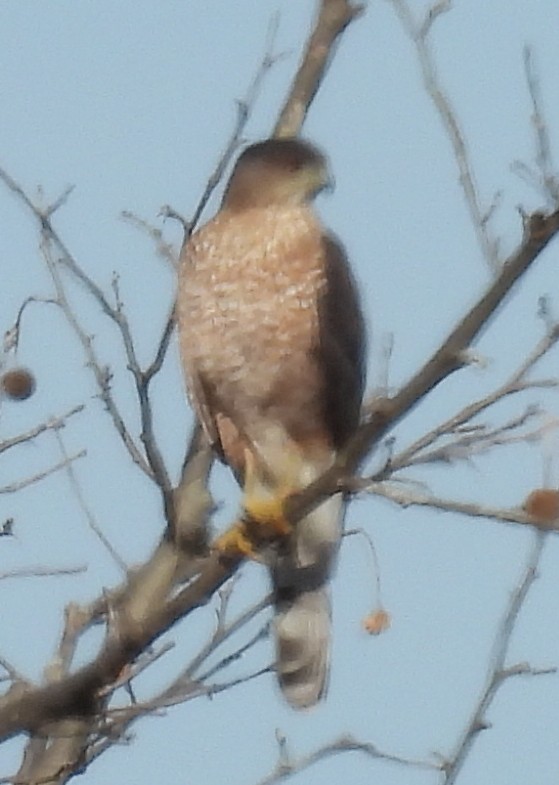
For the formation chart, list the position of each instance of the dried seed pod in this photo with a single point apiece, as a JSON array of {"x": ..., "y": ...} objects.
[
  {"x": 377, "y": 622},
  {"x": 17, "y": 384},
  {"x": 543, "y": 504}
]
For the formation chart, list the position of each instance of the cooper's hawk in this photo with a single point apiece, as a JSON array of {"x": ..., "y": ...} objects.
[{"x": 272, "y": 342}]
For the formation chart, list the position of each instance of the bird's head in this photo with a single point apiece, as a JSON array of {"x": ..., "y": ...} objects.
[{"x": 277, "y": 172}]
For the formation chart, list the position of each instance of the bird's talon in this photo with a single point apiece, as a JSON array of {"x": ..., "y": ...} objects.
[
  {"x": 267, "y": 518},
  {"x": 264, "y": 514},
  {"x": 236, "y": 542}
]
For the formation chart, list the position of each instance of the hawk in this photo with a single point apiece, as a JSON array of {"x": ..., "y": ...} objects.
[{"x": 272, "y": 342}]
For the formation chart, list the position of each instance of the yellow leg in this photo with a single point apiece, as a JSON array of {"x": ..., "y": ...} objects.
[
  {"x": 236, "y": 542},
  {"x": 263, "y": 519},
  {"x": 264, "y": 509}
]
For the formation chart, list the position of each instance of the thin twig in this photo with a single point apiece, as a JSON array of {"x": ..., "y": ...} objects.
[
  {"x": 155, "y": 463},
  {"x": 545, "y": 178},
  {"x": 288, "y": 766},
  {"x": 152, "y": 463},
  {"x": 407, "y": 498},
  {"x": 163, "y": 249},
  {"x": 477, "y": 440},
  {"x": 185, "y": 680},
  {"x": 451, "y": 356},
  {"x": 17, "y": 486},
  {"x": 53, "y": 424},
  {"x": 497, "y": 673},
  {"x": 238, "y": 654},
  {"x": 516, "y": 383},
  {"x": 55, "y": 700},
  {"x": 90, "y": 517},
  {"x": 12, "y": 672},
  {"x": 41, "y": 572},
  {"x": 101, "y": 374},
  {"x": 12, "y": 335},
  {"x": 244, "y": 110},
  {"x": 375, "y": 564},
  {"x": 419, "y": 34}
]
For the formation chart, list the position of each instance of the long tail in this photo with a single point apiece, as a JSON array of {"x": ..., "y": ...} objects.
[{"x": 303, "y": 613}]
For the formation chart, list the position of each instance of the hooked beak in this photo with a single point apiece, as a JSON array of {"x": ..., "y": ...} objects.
[
  {"x": 325, "y": 181},
  {"x": 329, "y": 185}
]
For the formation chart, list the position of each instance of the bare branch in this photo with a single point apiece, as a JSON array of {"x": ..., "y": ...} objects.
[
  {"x": 120, "y": 719},
  {"x": 382, "y": 414},
  {"x": 12, "y": 672},
  {"x": 12, "y": 335},
  {"x": 183, "y": 684},
  {"x": 17, "y": 486},
  {"x": 498, "y": 673},
  {"x": 516, "y": 383},
  {"x": 238, "y": 654},
  {"x": 419, "y": 34},
  {"x": 163, "y": 249},
  {"x": 101, "y": 374},
  {"x": 41, "y": 572},
  {"x": 76, "y": 620},
  {"x": 77, "y": 691},
  {"x": 244, "y": 110},
  {"x": 56, "y": 762},
  {"x": 193, "y": 503},
  {"x": 143, "y": 662},
  {"x": 54, "y": 424},
  {"x": 548, "y": 179},
  {"x": 408, "y": 498},
  {"x": 153, "y": 598},
  {"x": 162, "y": 347},
  {"x": 154, "y": 466},
  {"x": 477, "y": 439},
  {"x": 91, "y": 520},
  {"x": 288, "y": 766},
  {"x": 333, "y": 18}
]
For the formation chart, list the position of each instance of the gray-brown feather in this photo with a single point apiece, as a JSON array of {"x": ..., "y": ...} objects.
[{"x": 300, "y": 577}]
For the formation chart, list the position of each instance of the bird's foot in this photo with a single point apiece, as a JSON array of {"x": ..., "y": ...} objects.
[
  {"x": 263, "y": 522},
  {"x": 264, "y": 508},
  {"x": 236, "y": 541},
  {"x": 263, "y": 519}
]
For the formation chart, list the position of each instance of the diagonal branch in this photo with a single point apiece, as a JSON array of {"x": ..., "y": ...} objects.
[
  {"x": 102, "y": 375},
  {"x": 517, "y": 382},
  {"x": 148, "y": 603},
  {"x": 384, "y": 413},
  {"x": 41, "y": 572},
  {"x": 77, "y": 693},
  {"x": 90, "y": 517},
  {"x": 419, "y": 34},
  {"x": 498, "y": 673},
  {"x": 50, "y": 425},
  {"x": 544, "y": 177},
  {"x": 14, "y": 487},
  {"x": 408, "y": 498},
  {"x": 333, "y": 18}
]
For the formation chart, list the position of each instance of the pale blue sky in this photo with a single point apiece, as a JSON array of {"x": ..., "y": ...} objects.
[{"x": 132, "y": 103}]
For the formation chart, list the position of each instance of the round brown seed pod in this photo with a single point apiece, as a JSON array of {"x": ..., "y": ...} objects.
[
  {"x": 543, "y": 504},
  {"x": 17, "y": 384}
]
